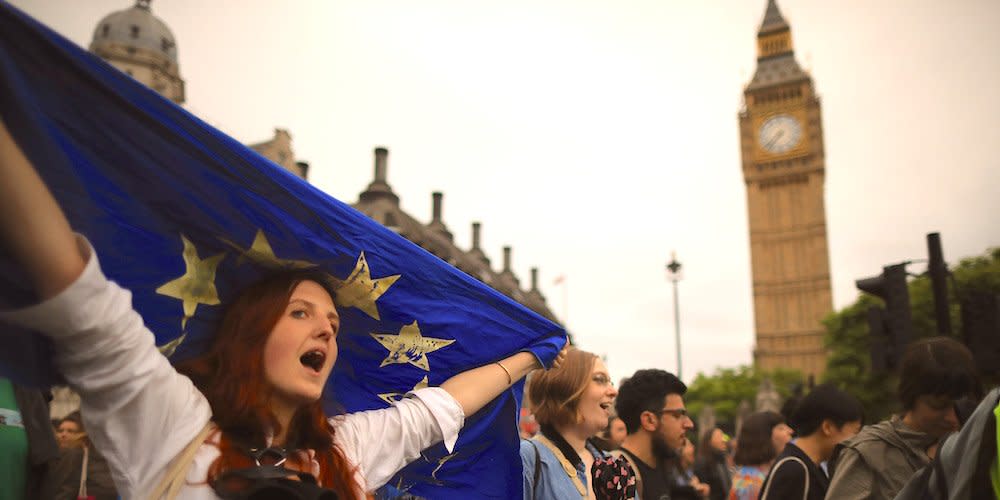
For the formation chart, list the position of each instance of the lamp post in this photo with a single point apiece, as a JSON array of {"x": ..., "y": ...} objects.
[{"x": 674, "y": 275}]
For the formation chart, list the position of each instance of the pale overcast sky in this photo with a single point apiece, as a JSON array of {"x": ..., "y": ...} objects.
[{"x": 597, "y": 136}]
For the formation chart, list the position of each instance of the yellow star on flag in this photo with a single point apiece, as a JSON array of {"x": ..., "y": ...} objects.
[
  {"x": 409, "y": 346},
  {"x": 440, "y": 463},
  {"x": 197, "y": 285},
  {"x": 360, "y": 290},
  {"x": 392, "y": 397},
  {"x": 168, "y": 349},
  {"x": 260, "y": 252}
]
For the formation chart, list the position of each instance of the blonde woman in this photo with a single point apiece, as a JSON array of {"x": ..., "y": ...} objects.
[{"x": 571, "y": 404}]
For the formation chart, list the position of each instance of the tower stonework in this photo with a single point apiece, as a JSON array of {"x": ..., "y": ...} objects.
[
  {"x": 142, "y": 46},
  {"x": 781, "y": 137}
]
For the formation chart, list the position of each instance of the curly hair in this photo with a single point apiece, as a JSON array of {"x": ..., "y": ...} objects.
[{"x": 646, "y": 390}]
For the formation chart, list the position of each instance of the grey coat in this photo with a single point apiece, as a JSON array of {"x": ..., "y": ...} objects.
[{"x": 878, "y": 462}]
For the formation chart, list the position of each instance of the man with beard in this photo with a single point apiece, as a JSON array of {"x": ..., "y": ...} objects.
[{"x": 651, "y": 404}]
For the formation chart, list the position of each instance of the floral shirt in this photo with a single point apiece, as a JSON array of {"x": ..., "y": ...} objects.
[{"x": 746, "y": 483}]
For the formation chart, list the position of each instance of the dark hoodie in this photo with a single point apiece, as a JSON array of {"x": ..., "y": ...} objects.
[{"x": 878, "y": 462}]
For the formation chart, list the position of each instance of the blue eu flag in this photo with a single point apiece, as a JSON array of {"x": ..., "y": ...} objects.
[{"x": 183, "y": 215}]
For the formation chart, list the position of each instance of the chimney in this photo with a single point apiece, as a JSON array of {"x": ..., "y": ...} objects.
[
  {"x": 534, "y": 279},
  {"x": 379, "y": 187},
  {"x": 303, "y": 169},
  {"x": 438, "y": 196},
  {"x": 506, "y": 259},
  {"x": 475, "y": 235},
  {"x": 381, "y": 157}
]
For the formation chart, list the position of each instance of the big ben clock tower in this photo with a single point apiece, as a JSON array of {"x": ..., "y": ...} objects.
[{"x": 781, "y": 138}]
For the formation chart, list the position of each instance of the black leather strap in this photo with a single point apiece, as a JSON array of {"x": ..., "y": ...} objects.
[{"x": 538, "y": 470}]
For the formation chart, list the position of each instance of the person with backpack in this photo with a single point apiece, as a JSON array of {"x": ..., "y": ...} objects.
[
  {"x": 572, "y": 403},
  {"x": 965, "y": 467},
  {"x": 934, "y": 373},
  {"x": 823, "y": 419}
]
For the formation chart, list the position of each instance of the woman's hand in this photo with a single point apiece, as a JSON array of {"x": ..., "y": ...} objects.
[{"x": 560, "y": 358}]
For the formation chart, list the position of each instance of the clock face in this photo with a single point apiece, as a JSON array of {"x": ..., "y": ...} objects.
[{"x": 780, "y": 133}]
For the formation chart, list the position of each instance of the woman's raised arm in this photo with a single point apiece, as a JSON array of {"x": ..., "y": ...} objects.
[
  {"x": 32, "y": 226},
  {"x": 474, "y": 388}
]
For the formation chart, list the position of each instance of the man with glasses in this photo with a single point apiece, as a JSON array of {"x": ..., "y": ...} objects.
[{"x": 651, "y": 404}]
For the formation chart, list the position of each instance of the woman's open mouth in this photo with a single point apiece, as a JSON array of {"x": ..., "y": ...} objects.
[{"x": 313, "y": 360}]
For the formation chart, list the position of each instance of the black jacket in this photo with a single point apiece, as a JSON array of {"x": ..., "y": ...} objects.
[
  {"x": 714, "y": 472},
  {"x": 794, "y": 476},
  {"x": 43, "y": 450}
]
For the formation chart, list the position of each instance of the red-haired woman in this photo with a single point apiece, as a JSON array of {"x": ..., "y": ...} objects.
[{"x": 200, "y": 435}]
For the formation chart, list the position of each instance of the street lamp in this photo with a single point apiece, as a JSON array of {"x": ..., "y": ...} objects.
[{"x": 674, "y": 275}]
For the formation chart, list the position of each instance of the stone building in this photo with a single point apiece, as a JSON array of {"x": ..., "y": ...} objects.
[
  {"x": 141, "y": 45},
  {"x": 781, "y": 136},
  {"x": 279, "y": 150},
  {"x": 379, "y": 202}
]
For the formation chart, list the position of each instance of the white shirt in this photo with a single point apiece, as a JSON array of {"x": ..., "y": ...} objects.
[{"x": 141, "y": 413}]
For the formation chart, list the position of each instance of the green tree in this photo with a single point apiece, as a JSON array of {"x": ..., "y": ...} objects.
[
  {"x": 849, "y": 362},
  {"x": 727, "y": 387}
]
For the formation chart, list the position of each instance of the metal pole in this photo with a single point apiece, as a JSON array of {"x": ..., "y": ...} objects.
[
  {"x": 677, "y": 327},
  {"x": 674, "y": 270},
  {"x": 938, "y": 270}
]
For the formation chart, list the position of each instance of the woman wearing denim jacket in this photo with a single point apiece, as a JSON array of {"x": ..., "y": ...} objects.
[{"x": 572, "y": 404}]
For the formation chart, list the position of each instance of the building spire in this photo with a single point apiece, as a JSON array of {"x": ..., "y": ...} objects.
[
  {"x": 775, "y": 35},
  {"x": 773, "y": 20}
]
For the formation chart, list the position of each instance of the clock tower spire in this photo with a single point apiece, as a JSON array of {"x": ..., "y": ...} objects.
[{"x": 784, "y": 169}]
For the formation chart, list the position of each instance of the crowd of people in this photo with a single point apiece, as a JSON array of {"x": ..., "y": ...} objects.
[
  {"x": 636, "y": 441},
  {"x": 201, "y": 430}
]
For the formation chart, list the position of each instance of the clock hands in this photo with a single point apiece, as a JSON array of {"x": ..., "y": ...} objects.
[{"x": 774, "y": 139}]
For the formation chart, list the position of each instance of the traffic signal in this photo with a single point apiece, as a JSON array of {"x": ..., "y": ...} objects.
[
  {"x": 878, "y": 339},
  {"x": 981, "y": 329},
  {"x": 891, "y": 329}
]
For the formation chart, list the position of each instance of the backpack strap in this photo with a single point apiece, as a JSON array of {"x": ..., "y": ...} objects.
[
  {"x": 174, "y": 478},
  {"x": 566, "y": 465},
  {"x": 82, "y": 491},
  {"x": 805, "y": 468},
  {"x": 538, "y": 471}
]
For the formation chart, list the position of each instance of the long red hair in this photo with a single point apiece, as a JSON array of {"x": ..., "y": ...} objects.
[{"x": 231, "y": 376}]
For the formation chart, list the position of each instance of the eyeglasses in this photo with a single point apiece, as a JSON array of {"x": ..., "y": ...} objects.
[
  {"x": 602, "y": 379},
  {"x": 677, "y": 413}
]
